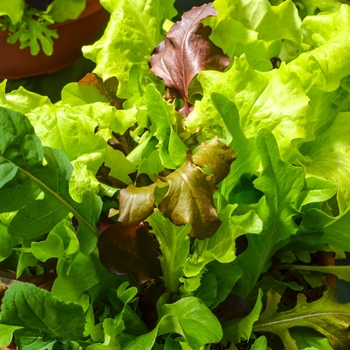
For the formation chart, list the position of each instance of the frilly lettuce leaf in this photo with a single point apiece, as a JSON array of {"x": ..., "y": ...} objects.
[
  {"x": 313, "y": 7},
  {"x": 328, "y": 157},
  {"x": 145, "y": 17},
  {"x": 257, "y": 29},
  {"x": 327, "y": 59},
  {"x": 274, "y": 100}
]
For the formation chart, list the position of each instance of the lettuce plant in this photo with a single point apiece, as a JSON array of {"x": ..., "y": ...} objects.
[
  {"x": 28, "y": 21},
  {"x": 179, "y": 196}
]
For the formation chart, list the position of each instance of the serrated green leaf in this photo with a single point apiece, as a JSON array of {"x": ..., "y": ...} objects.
[
  {"x": 172, "y": 150},
  {"x": 281, "y": 183},
  {"x": 325, "y": 315},
  {"x": 29, "y": 340}
]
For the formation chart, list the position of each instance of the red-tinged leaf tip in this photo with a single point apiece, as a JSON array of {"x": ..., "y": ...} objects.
[
  {"x": 133, "y": 250},
  {"x": 186, "y": 51},
  {"x": 216, "y": 156},
  {"x": 136, "y": 204},
  {"x": 190, "y": 199}
]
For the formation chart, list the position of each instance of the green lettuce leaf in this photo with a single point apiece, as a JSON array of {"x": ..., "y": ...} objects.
[
  {"x": 257, "y": 29},
  {"x": 274, "y": 100},
  {"x": 21, "y": 100},
  {"x": 327, "y": 157},
  {"x": 146, "y": 18},
  {"x": 44, "y": 199},
  {"x": 174, "y": 245},
  {"x": 189, "y": 318},
  {"x": 327, "y": 59},
  {"x": 14, "y": 10},
  {"x": 281, "y": 183},
  {"x": 25, "y": 305},
  {"x": 63, "y": 10}
]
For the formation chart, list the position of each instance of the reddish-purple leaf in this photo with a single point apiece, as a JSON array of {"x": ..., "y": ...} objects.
[
  {"x": 185, "y": 52},
  {"x": 133, "y": 250}
]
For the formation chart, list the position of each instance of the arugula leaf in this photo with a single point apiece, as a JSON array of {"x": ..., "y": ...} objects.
[
  {"x": 242, "y": 328},
  {"x": 325, "y": 315},
  {"x": 172, "y": 150},
  {"x": 281, "y": 184}
]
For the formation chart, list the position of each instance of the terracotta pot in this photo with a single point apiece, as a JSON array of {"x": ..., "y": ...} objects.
[{"x": 73, "y": 34}]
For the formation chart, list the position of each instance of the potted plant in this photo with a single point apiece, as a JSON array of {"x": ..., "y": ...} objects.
[
  {"x": 178, "y": 196},
  {"x": 40, "y": 37}
]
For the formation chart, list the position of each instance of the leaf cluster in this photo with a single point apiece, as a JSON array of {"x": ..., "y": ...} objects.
[{"x": 183, "y": 194}]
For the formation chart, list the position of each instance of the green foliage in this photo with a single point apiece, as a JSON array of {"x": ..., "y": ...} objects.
[{"x": 186, "y": 207}]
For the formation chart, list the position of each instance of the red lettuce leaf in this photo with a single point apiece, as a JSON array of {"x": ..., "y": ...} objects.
[
  {"x": 185, "y": 52},
  {"x": 133, "y": 250}
]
